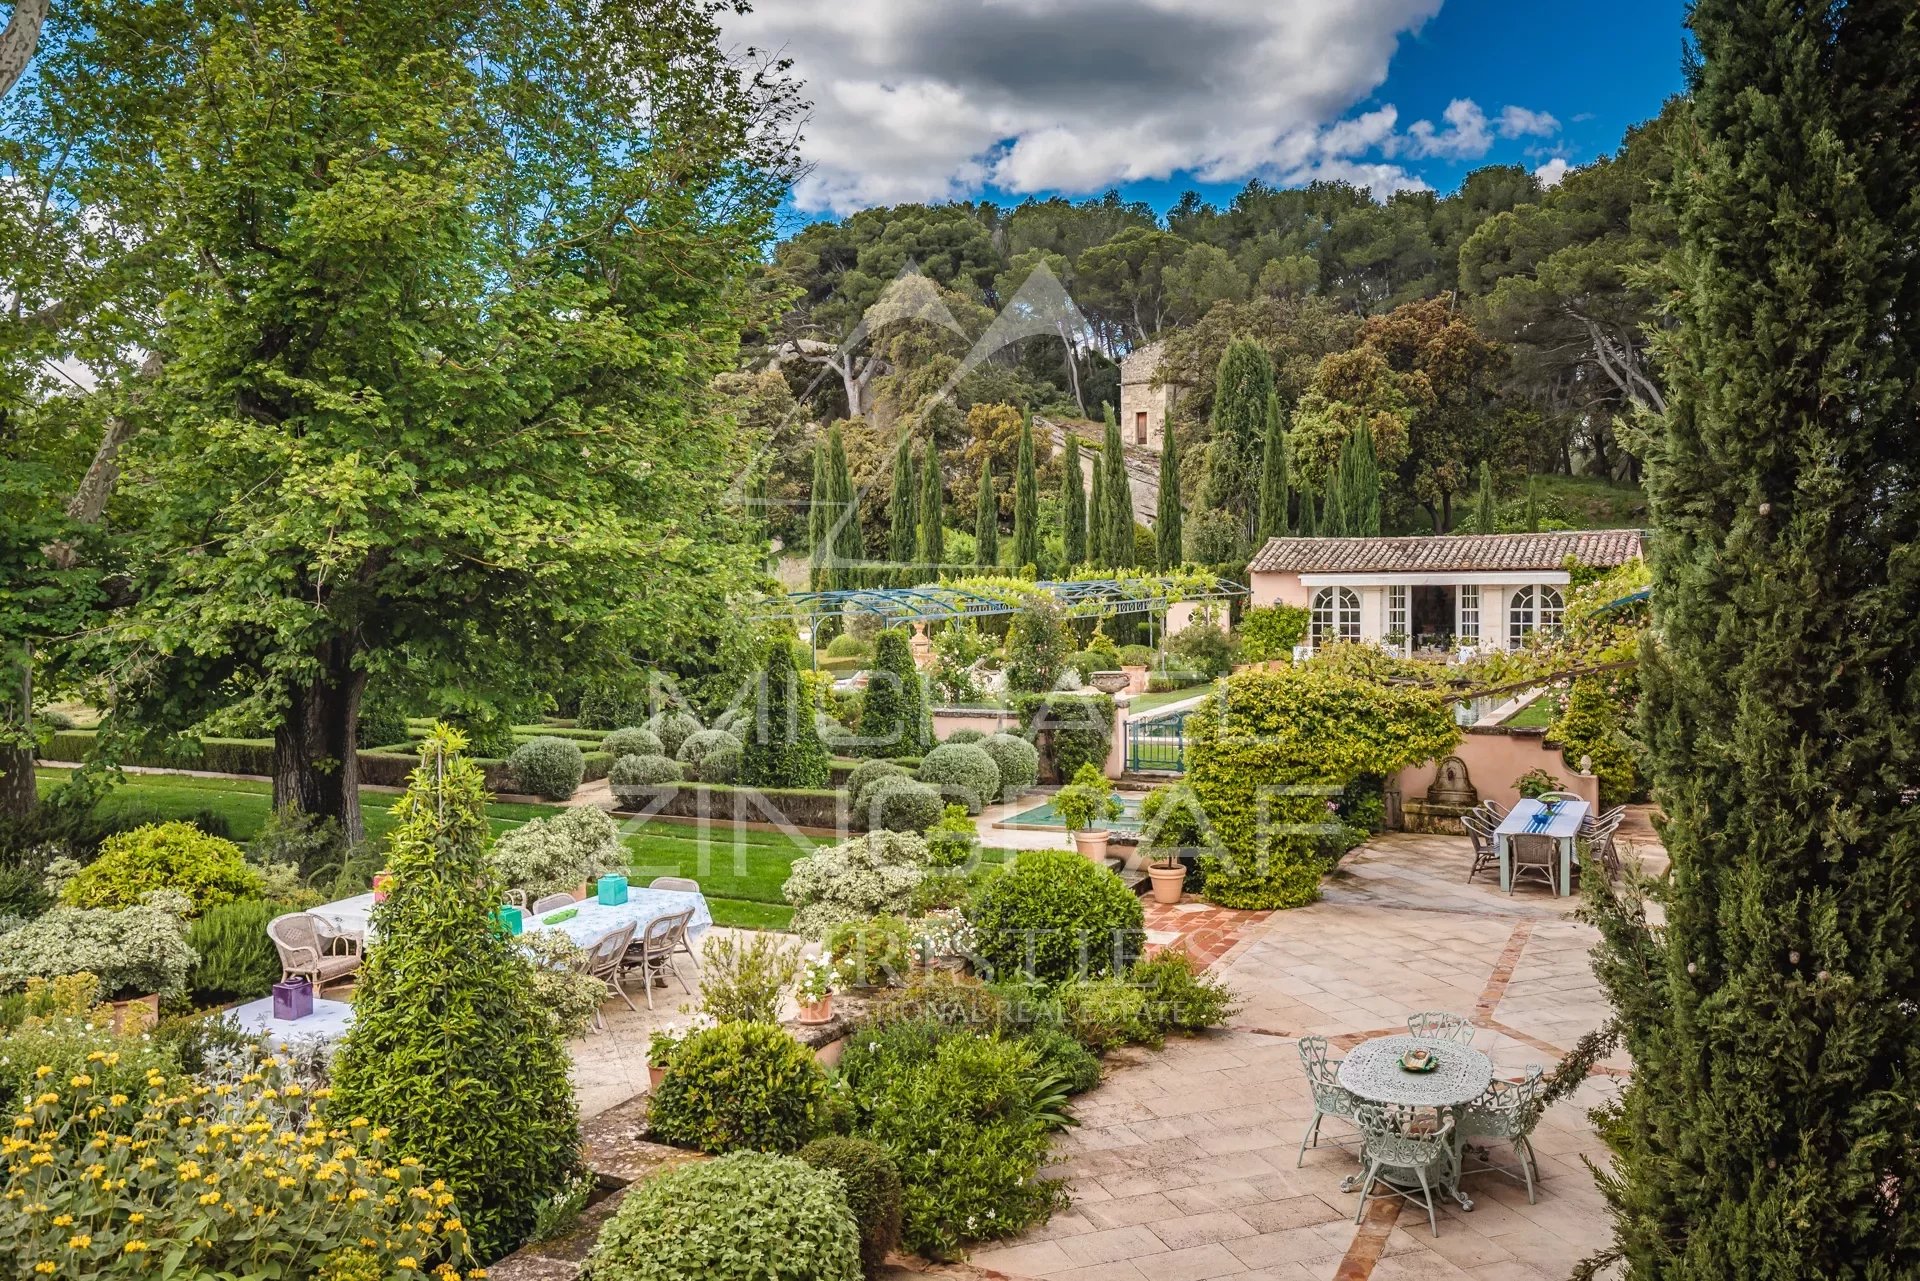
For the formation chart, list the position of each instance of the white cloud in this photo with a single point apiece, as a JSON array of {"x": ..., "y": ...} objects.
[
  {"x": 1466, "y": 136},
  {"x": 928, "y": 99},
  {"x": 1552, "y": 172},
  {"x": 1518, "y": 122}
]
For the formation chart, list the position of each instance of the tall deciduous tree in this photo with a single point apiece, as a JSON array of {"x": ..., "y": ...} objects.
[
  {"x": 1118, "y": 495},
  {"x": 445, "y": 294},
  {"x": 1026, "y": 502},
  {"x": 1073, "y": 505},
  {"x": 903, "y": 524},
  {"x": 1769, "y": 1127},
  {"x": 1274, "y": 469},
  {"x": 986, "y": 524},
  {"x": 1168, "y": 512},
  {"x": 931, "y": 546}
]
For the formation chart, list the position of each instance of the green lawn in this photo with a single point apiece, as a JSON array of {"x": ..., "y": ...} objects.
[
  {"x": 1148, "y": 702},
  {"x": 1538, "y": 714}
]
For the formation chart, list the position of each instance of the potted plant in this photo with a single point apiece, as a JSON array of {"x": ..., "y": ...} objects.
[
  {"x": 1173, "y": 830},
  {"x": 818, "y": 979},
  {"x": 664, "y": 1041},
  {"x": 1084, "y": 805}
]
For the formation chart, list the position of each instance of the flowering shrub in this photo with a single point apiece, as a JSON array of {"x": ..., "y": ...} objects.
[
  {"x": 1270, "y": 632},
  {"x": 865, "y": 876},
  {"x": 564, "y": 990},
  {"x": 549, "y": 767},
  {"x": 134, "y": 952},
  {"x": 819, "y": 979},
  {"x": 65, "y": 1030},
  {"x": 1536, "y": 783},
  {"x": 944, "y": 933},
  {"x": 741, "y": 1085},
  {"x": 163, "y": 856},
  {"x": 189, "y": 1179},
  {"x": 546, "y": 855},
  {"x": 872, "y": 953}
]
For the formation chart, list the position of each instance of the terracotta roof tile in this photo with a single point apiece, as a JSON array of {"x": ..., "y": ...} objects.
[{"x": 1445, "y": 553}]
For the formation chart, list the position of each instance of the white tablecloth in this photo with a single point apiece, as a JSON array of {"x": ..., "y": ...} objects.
[
  {"x": 1562, "y": 828},
  {"x": 352, "y": 917},
  {"x": 328, "y": 1021}
]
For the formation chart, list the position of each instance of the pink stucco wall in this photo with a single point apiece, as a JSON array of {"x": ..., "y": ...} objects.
[
  {"x": 1495, "y": 758},
  {"x": 1279, "y": 589}
]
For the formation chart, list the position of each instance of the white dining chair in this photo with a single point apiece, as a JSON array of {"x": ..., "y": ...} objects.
[
  {"x": 680, "y": 884},
  {"x": 552, "y": 903}
]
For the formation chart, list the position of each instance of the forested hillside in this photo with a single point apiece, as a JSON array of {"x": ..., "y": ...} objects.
[{"x": 1496, "y": 334}]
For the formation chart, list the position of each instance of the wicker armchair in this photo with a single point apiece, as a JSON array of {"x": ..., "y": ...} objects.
[
  {"x": 1534, "y": 856},
  {"x": 680, "y": 884},
  {"x": 305, "y": 953},
  {"x": 652, "y": 953},
  {"x": 552, "y": 903},
  {"x": 1329, "y": 1099},
  {"x": 1486, "y": 850},
  {"x": 1407, "y": 1142},
  {"x": 606, "y": 961}
]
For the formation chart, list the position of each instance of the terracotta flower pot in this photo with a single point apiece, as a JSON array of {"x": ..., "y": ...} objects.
[
  {"x": 1168, "y": 882},
  {"x": 1136, "y": 678},
  {"x": 655, "y": 1075},
  {"x": 819, "y": 1011},
  {"x": 1092, "y": 843}
]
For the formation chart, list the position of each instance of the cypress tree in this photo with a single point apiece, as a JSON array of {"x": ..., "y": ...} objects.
[
  {"x": 819, "y": 521},
  {"x": 1026, "y": 503},
  {"x": 1309, "y": 515},
  {"x": 849, "y": 546},
  {"x": 1119, "y": 497},
  {"x": 1333, "y": 516},
  {"x": 1769, "y": 1127},
  {"x": 756, "y": 511},
  {"x": 1533, "y": 508},
  {"x": 1242, "y": 390},
  {"x": 893, "y": 715},
  {"x": 1097, "y": 514},
  {"x": 782, "y": 748},
  {"x": 1486, "y": 513},
  {"x": 931, "y": 544},
  {"x": 902, "y": 525},
  {"x": 1073, "y": 506},
  {"x": 1271, "y": 521},
  {"x": 986, "y": 522},
  {"x": 1360, "y": 484},
  {"x": 1167, "y": 518}
]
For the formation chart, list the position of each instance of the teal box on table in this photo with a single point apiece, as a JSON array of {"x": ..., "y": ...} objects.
[
  {"x": 510, "y": 918},
  {"x": 613, "y": 890}
]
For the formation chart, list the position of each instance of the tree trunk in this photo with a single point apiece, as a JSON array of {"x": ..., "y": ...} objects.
[
  {"x": 18, "y": 796},
  {"x": 316, "y": 763},
  {"x": 19, "y": 40}
]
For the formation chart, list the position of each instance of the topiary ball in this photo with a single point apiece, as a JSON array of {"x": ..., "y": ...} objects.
[
  {"x": 721, "y": 765},
  {"x": 701, "y": 746},
  {"x": 963, "y": 772},
  {"x": 549, "y": 767},
  {"x": 207, "y": 869},
  {"x": 867, "y": 773},
  {"x": 899, "y": 804},
  {"x": 1018, "y": 761},
  {"x": 1055, "y": 915},
  {"x": 872, "y": 1184},
  {"x": 632, "y": 741},
  {"x": 744, "y": 1217},
  {"x": 741, "y": 1085},
  {"x": 965, "y": 736},
  {"x": 636, "y": 780},
  {"x": 673, "y": 729}
]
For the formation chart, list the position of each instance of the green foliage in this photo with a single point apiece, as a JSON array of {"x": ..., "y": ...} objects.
[
  {"x": 1269, "y": 632},
  {"x": 962, "y": 772},
  {"x": 1486, "y": 519},
  {"x": 1037, "y": 646},
  {"x": 1179, "y": 995},
  {"x": 1097, "y": 520},
  {"x": 1073, "y": 505},
  {"x": 745, "y": 1217},
  {"x": 1592, "y": 726},
  {"x": 1536, "y": 783},
  {"x": 632, "y": 741},
  {"x": 743, "y": 974},
  {"x": 711, "y": 756},
  {"x": 867, "y": 773},
  {"x": 1272, "y": 518},
  {"x": 1026, "y": 501},
  {"x": 134, "y": 951},
  {"x": 966, "y": 736},
  {"x": 234, "y": 958},
  {"x": 610, "y": 705},
  {"x": 894, "y": 720},
  {"x": 1018, "y": 762},
  {"x": 1359, "y": 481},
  {"x": 866, "y": 876},
  {"x": 548, "y": 767},
  {"x": 1243, "y": 386},
  {"x": 903, "y": 517},
  {"x": 1053, "y": 914},
  {"x": 560, "y": 852},
  {"x": 1075, "y": 729},
  {"x": 1105, "y": 1013},
  {"x": 61, "y": 1025},
  {"x": 874, "y": 952},
  {"x": 673, "y": 728},
  {"x": 1266, "y": 752},
  {"x": 570, "y": 996},
  {"x": 1117, "y": 493},
  {"x": 1059, "y": 1054},
  {"x": 847, "y": 645},
  {"x": 163, "y": 856},
  {"x": 449, "y": 1045},
  {"x": 635, "y": 779},
  {"x": 954, "y": 841},
  {"x": 740, "y": 1086},
  {"x": 872, "y": 1185},
  {"x": 899, "y": 805},
  {"x": 1168, "y": 536},
  {"x": 1201, "y": 647},
  {"x": 930, "y": 539},
  {"x": 1214, "y": 537},
  {"x": 783, "y": 747},
  {"x": 1173, "y": 818},
  {"x": 1088, "y": 801},
  {"x": 986, "y": 523},
  {"x": 1136, "y": 655}
]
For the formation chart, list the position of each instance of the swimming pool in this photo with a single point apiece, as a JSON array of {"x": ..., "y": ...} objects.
[{"x": 1043, "y": 816}]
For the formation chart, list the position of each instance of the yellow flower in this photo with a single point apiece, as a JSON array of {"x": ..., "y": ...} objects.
[
  {"x": 407, "y": 1261},
  {"x": 80, "y": 1242},
  {"x": 63, "y": 1220},
  {"x": 136, "y": 1217},
  {"x": 45, "y": 1268},
  {"x": 209, "y": 1198},
  {"x": 118, "y": 1100},
  {"x": 42, "y": 1072},
  {"x": 134, "y": 1246}
]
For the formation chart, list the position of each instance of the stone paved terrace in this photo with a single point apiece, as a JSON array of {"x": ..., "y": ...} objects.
[{"x": 1184, "y": 1167}]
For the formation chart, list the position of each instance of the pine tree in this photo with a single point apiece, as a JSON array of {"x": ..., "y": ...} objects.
[
  {"x": 1119, "y": 496},
  {"x": 1168, "y": 514},
  {"x": 1073, "y": 506},
  {"x": 986, "y": 523},
  {"x": 781, "y": 748},
  {"x": 820, "y": 521},
  {"x": 1360, "y": 484},
  {"x": 1242, "y": 390},
  {"x": 1486, "y": 513},
  {"x": 1097, "y": 511},
  {"x": 1533, "y": 508},
  {"x": 1769, "y": 1127},
  {"x": 902, "y": 522},
  {"x": 1026, "y": 503},
  {"x": 849, "y": 546},
  {"x": 931, "y": 547},
  {"x": 1272, "y": 518}
]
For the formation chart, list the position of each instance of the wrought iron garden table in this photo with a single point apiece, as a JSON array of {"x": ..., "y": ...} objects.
[{"x": 1372, "y": 1072}]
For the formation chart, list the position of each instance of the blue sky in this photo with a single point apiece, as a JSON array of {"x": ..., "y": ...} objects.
[{"x": 946, "y": 99}]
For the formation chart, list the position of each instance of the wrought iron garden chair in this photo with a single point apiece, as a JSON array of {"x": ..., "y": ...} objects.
[
  {"x": 552, "y": 903},
  {"x": 1438, "y": 1025},
  {"x": 1408, "y": 1145},
  {"x": 1508, "y": 1110},
  {"x": 1329, "y": 1099},
  {"x": 1486, "y": 850}
]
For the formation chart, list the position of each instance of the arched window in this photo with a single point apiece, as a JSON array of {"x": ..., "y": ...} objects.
[
  {"x": 1336, "y": 616},
  {"x": 1534, "y": 609}
]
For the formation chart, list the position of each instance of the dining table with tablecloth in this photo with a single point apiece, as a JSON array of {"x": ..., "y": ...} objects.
[
  {"x": 589, "y": 922},
  {"x": 1559, "y": 822}
]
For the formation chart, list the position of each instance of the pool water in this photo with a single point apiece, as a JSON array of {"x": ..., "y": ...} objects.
[{"x": 1043, "y": 816}]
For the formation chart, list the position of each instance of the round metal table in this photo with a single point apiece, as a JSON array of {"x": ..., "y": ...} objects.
[{"x": 1372, "y": 1072}]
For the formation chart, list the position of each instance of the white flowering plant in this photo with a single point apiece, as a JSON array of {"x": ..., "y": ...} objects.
[
  {"x": 665, "y": 1040},
  {"x": 944, "y": 933},
  {"x": 870, "y": 875},
  {"x": 819, "y": 979},
  {"x": 547, "y": 855},
  {"x": 136, "y": 951}
]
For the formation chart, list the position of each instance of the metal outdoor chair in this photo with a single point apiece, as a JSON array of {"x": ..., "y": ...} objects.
[
  {"x": 606, "y": 960},
  {"x": 1534, "y": 856},
  {"x": 1508, "y": 1110},
  {"x": 1494, "y": 810},
  {"x": 682, "y": 884},
  {"x": 304, "y": 953},
  {"x": 552, "y": 903},
  {"x": 1486, "y": 850},
  {"x": 1329, "y": 1099},
  {"x": 1404, "y": 1143},
  {"x": 1438, "y": 1025},
  {"x": 1547, "y": 797},
  {"x": 652, "y": 953},
  {"x": 516, "y": 898}
]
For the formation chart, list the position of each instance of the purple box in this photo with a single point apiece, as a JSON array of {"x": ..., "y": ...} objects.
[{"x": 292, "y": 999}]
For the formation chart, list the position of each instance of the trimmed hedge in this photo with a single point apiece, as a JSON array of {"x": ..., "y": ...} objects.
[
  {"x": 1069, "y": 729},
  {"x": 900, "y": 805},
  {"x": 632, "y": 741},
  {"x": 548, "y": 767},
  {"x": 1056, "y": 915},
  {"x": 804, "y": 807},
  {"x": 872, "y": 1184},
  {"x": 741, "y": 1086},
  {"x": 1018, "y": 762},
  {"x": 866, "y": 774}
]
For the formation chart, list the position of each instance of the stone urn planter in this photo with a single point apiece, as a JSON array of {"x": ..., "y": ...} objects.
[
  {"x": 1136, "y": 678},
  {"x": 1092, "y": 844},
  {"x": 1169, "y": 881},
  {"x": 1112, "y": 682}
]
